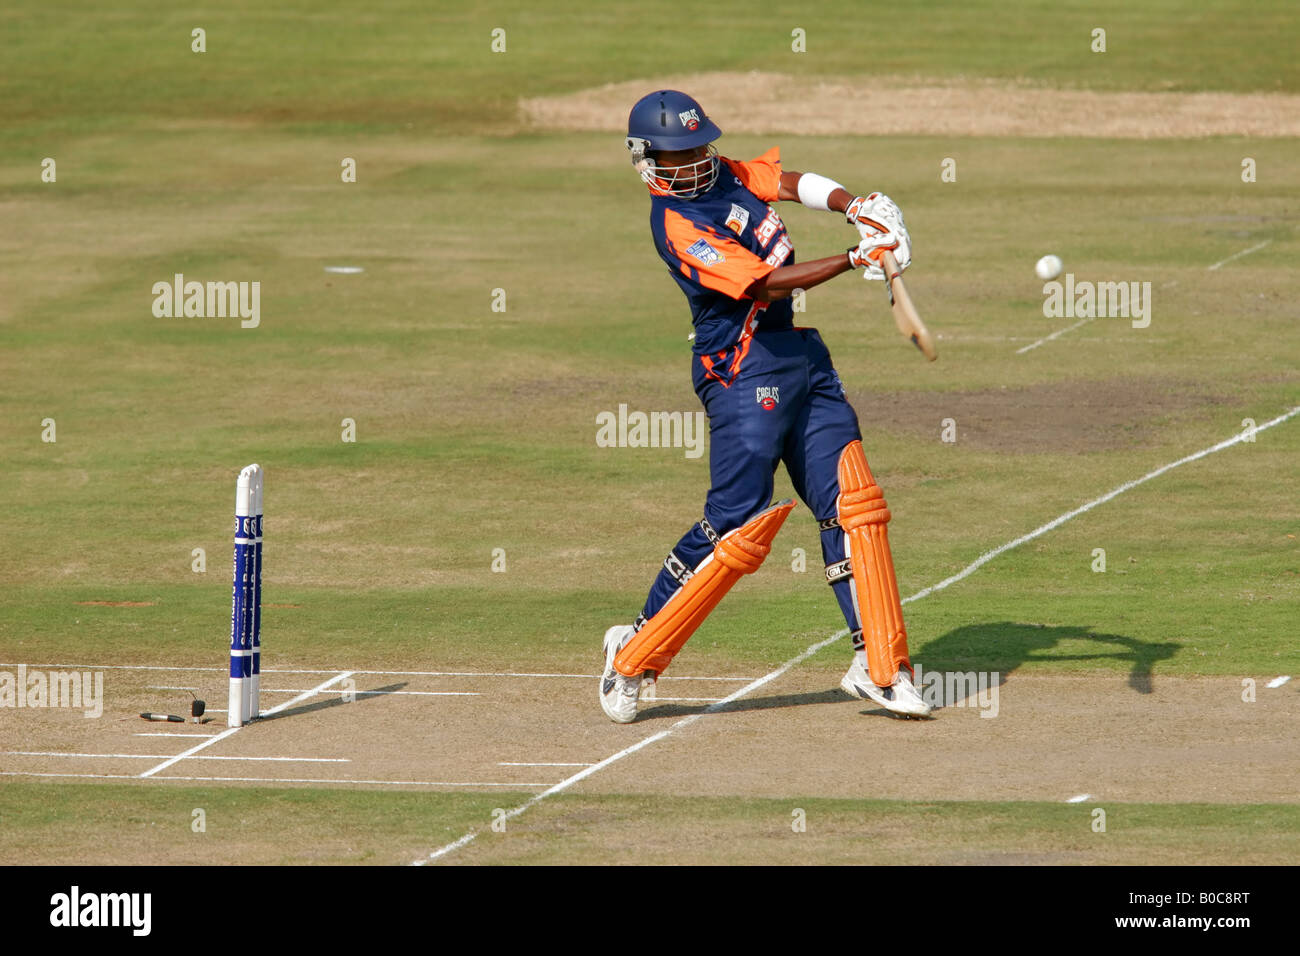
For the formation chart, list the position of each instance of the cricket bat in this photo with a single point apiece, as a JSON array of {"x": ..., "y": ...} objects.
[{"x": 905, "y": 315}]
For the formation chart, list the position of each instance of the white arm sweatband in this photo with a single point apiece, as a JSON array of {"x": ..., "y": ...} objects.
[{"x": 815, "y": 191}]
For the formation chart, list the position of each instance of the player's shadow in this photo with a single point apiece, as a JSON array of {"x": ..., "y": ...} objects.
[
  {"x": 652, "y": 709},
  {"x": 335, "y": 701},
  {"x": 1002, "y": 646}
]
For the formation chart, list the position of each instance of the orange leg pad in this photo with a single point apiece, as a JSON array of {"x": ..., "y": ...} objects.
[
  {"x": 864, "y": 518},
  {"x": 737, "y": 553}
]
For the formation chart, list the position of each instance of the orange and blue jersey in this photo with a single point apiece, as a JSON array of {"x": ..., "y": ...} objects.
[
  {"x": 719, "y": 244},
  {"x": 770, "y": 390}
]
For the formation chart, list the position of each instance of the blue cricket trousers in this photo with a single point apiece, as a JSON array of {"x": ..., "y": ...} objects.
[{"x": 771, "y": 399}]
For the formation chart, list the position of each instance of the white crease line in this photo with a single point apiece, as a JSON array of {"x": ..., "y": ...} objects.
[
  {"x": 64, "y": 753},
  {"x": 1055, "y": 334},
  {"x": 166, "y": 687},
  {"x": 970, "y": 569},
  {"x": 91, "y": 776},
  {"x": 58, "y": 753},
  {"x": 305, "y": 694},
  {"x": 280, "y": 759},
  {"x": 231, "y": 730},
  {"x": 1057, "y": 522},
  {"x": 272, "y": 670},
  {"x": 378, "y": 693},
  {"x": 160, "y": 733},
  {"x": 130, "y": 667},
  {"x": 335, "y": 780},
  {"x": 414, "y": 693},
  {"x": 207, "y": 743},
  {"x": 1244, "y": 252},
  {"x": 1020, "y": 338},
  {"x": 645, "y": 742},
  {"x": 592, "y": 676}
]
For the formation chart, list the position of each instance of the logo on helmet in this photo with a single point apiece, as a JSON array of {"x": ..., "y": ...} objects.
[{"x": 690, "y": 119}]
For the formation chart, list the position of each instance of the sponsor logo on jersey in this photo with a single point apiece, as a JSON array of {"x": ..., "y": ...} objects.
[
  {"x": 738, "y": 218},
  {"x": 690, "y": 119},
  {"x": 766, "y": 230},
  {"x": 705, "y": 253},
  {"x": 781, "y": 250},
  {"x": 769, "y": 396}
]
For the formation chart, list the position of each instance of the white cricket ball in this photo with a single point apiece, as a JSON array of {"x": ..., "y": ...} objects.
[{"x": 1048, "y": 267}]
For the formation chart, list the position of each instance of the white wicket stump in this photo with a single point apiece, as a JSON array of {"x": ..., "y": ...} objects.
[
  {"x": 246, "y": 601},
  {"x": 254, "y": 687}
]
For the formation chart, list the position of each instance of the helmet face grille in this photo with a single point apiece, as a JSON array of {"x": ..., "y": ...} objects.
[{"x": 687, "y": 181}]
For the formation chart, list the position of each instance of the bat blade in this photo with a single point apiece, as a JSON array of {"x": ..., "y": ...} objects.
[{"x": 906, "y": 317}]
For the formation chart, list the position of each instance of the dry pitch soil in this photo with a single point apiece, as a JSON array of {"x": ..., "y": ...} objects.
[
  {"x": 1046, "y": 738},
  {"x": 760, "y": 103}
]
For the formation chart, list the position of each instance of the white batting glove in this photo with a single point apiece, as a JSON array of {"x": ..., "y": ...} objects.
[
  {"x": 867, "y": 254},
  {"x": 875, "y": 207},
  {"x": 879, "y": 222}
]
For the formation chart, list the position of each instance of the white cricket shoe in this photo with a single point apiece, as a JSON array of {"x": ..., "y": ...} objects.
[
  {"x": 618, "y": 694},
  {"x": 901, "y": 697}
]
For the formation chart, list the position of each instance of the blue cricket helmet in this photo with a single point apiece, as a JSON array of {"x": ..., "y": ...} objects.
[{"x": 669, "y": 120}]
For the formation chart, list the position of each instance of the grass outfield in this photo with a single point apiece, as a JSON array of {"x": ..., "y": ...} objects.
[
  {"x": 407, "y": 65},
  {"x": 107, "y": 823},
  {"x": 476, "y": 428}
]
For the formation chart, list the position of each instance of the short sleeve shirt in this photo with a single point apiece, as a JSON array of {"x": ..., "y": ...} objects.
[{"x": 719, "y": 243}]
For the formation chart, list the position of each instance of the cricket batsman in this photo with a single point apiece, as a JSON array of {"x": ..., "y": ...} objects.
[{"x": 772, "y": 396}]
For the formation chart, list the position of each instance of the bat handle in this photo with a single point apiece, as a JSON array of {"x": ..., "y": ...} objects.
[{"x": 891, "y": 267}]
